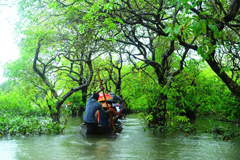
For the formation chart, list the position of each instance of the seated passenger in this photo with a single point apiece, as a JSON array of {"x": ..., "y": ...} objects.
[
  {"x": 104, "y": 118},
  {"x": 91, "y": 107}
]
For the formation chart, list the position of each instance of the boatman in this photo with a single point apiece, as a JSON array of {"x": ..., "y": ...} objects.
[{"x": 92, "y": 106}]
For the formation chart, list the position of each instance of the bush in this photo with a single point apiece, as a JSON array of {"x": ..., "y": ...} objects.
[
  {"x": 20, "y": 125},
  {"x": 18, "y": 117}
]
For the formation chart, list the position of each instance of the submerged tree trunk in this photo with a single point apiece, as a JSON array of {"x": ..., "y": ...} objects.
[
  {"x": 84, "y": 94},
  {"x": 84, "y": 100},
  {"x": 56, "y": 116},
  {"x": 158, "y": 112}
]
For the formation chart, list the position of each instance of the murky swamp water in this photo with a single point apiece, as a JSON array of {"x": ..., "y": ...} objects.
[{"x": 131, "y": 143}]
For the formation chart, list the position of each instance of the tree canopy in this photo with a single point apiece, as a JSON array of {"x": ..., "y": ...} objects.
[{"x": 177, "y": 57}]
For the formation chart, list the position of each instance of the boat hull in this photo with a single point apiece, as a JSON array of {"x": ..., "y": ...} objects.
[{"x": 95, "y": 129}]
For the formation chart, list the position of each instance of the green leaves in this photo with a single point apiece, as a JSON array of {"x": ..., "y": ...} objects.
[
  {"x": 149, "y": 118},
  {"x": 206, "y": 49},
  {"x": 173, "y": 31},
  {"x": 225, "y": 69},
  {"x": 200, "y": 51},
  {"x": 167, "y": 29},
  {"x": 18, "y": 125},
  {"x": 215, "y": 30},
  {"x": 108, "y": 7},
  {"x": 53, "y": 5},
  {"x": 199, "y": 27}
]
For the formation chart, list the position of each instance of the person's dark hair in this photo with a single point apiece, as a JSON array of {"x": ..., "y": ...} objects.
[
  {"x": 109, "y": 102},
  {"x": 95, "y": 96}
]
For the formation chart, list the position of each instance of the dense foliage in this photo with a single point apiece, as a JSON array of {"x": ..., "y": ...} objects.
[
  {"x": 170, "y": 60},
  {"x": 19, "y": 117}
]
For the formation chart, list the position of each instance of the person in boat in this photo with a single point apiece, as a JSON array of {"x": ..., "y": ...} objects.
[
  {"x": 104, "y": 119},
  {"x": 91, "y": 108},
  {"x": 119, "y": 103},
  {"x": 123, "y": 112},
  {"x": 116, "y": 98}
]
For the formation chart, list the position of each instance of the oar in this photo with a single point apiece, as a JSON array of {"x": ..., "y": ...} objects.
[{"x": 110, "y": 114}]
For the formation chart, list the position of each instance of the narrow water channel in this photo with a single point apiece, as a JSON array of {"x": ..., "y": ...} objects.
[{"x": 131, "y": 143}]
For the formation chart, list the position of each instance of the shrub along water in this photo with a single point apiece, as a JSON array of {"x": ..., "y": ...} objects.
[
  {"x": 21, "y": 125},
  {"x": 19, "y": 118}
]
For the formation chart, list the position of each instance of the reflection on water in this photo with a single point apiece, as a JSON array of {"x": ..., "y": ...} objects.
[
  {"x": 131, "y": 143},
  {"x": 8, "y": 149}
]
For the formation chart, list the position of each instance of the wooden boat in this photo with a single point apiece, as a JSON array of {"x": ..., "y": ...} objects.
[
  {"x": 95, "y": 129},
  {"x": 122, "y": 116}
]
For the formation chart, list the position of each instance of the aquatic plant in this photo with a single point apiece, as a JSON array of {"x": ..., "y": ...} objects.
[{"x": 20, "y": 125}]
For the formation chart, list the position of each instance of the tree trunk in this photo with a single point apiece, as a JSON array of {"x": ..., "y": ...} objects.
[
  {"x": 56, "y": 116},
  {"x": 158, "y": 112},
  {"x": 84, "y": 94},
  {"x": 118, "y": 88},
  {"x": 84, "y": 100}
]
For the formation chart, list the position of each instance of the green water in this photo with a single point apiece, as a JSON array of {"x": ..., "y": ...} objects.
[{"x": 131, "y": 143}]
